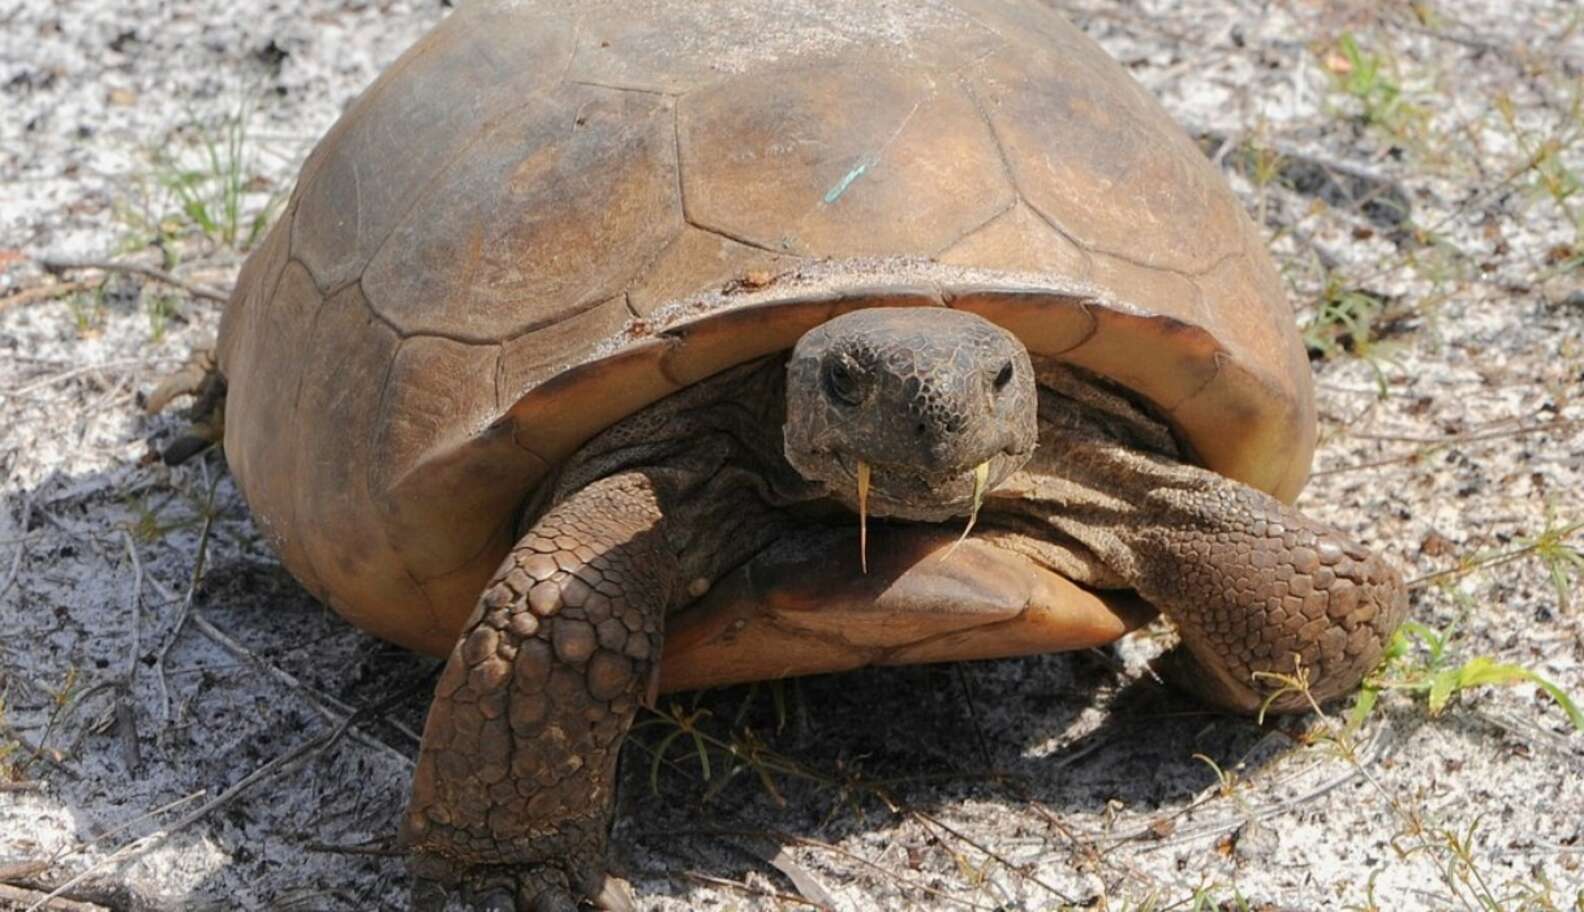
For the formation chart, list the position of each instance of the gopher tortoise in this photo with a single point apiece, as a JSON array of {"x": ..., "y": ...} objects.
[{"x": 591, "y": 326}]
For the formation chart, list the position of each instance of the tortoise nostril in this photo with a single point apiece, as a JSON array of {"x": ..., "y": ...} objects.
[{"x": 919, "y": 429}]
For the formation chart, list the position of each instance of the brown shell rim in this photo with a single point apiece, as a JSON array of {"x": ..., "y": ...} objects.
[{"x": 1239, "y": 420}]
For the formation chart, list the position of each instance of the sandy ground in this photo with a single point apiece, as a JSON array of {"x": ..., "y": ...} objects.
[{"x": 163, "y": 744}]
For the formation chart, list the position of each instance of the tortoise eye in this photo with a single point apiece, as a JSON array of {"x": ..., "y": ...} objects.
[
  {"x": 1004, "y": 377},
  {"x": 842, "y": 383}
]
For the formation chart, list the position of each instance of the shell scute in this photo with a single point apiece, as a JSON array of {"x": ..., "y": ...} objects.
[{"x": 501, "y": 242}]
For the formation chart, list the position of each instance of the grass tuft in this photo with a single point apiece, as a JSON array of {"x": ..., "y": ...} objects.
[
  {"x": 1371, "y": 79},
  {"x": 204, "y": 183},
  {"x": 1354, "y": 322},
  {"x": 1418, "y": 662}
]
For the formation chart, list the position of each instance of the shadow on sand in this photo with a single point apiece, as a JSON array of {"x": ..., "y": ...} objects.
[{"x": 1065, "y": 737}]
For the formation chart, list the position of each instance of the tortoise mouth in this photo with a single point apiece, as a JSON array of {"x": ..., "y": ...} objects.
[{"x": 912, "y": 492}]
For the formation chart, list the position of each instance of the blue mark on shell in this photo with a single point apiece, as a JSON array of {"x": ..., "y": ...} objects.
[{"x": 835, "y": 193}]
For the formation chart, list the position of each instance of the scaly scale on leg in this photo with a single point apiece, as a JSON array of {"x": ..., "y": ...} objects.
[{"x": 515, "y": 784}]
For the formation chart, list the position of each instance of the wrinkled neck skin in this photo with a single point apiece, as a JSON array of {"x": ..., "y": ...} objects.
[
  {"x": 713, "y": 451},
  {"x": 717, "y": 451}
]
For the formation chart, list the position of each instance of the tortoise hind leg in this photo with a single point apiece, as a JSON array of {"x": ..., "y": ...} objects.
[
  {"x": 515, "y": 786},
  {"x": 200, "y": 378}
]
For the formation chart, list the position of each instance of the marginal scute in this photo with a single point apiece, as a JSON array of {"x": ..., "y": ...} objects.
[
  {"x": 255, "y": 287},
  {"x": 1259, "y": 449},
  {"x": 1181, "y": 361},
  {"x": 675, "y": 272},
  {"x": 1237, "y": 286},
  {"x": 550, "y": 425},
  {"x": 437, "y": 389},
  {"x": 1049, "y": 324},
  {"x": 348, "y": 553},
  {"x": 1293, "y": 379},
  {"x": 261, "y": 449},
  {"x": 259, "y": 322},
  {"x": 437, "y": 392},
  {"x": 478, "y": 477},
  {"x": 1145, "y": 289},
  {"x": 733, "y": 337},
  {"x": 451, "y": 596},
  {"x": 532, "y": 358}
]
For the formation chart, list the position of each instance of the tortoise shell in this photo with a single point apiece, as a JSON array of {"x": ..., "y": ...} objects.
[{"x": 545, "y": 216}]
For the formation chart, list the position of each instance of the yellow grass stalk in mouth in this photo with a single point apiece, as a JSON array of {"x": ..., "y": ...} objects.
[
  {"x": 863, "y": 515},
  {"x": 981, "y": 475},
  {"x": 981, "y": 478}
]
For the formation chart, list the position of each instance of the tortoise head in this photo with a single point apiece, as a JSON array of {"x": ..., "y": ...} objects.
[{"x": 910, "y": 412}]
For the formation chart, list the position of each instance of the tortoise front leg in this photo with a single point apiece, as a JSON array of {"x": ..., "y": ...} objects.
[
  {"x": 1256, "y": 589},
  {"x": 1260, "y": 593},
  {"x": 515, "y": 786}
]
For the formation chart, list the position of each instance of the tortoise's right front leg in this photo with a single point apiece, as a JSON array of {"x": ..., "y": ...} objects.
[{"x": 515, "y": 786}]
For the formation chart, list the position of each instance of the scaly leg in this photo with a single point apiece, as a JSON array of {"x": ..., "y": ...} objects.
[
  {"x": 515, "y": 786},
  {"x": 200, "y": 378},
  {"x": 1257, "y": 589},
  {"x": 1254, "y": 588}
]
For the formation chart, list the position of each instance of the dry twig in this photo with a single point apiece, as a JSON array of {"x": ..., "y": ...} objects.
[
  {"x": 158, "y": 275},
  {"x": 75, "y": 372},
  {"x": 33, "y": 899},
  {"x": 21, "y": 545},
  {"x": 126, "y": 717},
  {"x": 41, "y": 293},
  {"x": 750, "y": 890},
  {"x": 1428, "y": 445}
]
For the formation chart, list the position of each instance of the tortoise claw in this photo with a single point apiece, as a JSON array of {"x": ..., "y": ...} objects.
[
  {"x": 188, "y": 380},
  {"x": 527, "y": 889},
  {"x": 604, "y": 892},
  {"x": 200, "y": 377},
  {"x": 428, "y": 895},
  {"x": 614, "y": 895},
  {"x": 553, "y": 900},
  {"x": 187, "y": 446}
]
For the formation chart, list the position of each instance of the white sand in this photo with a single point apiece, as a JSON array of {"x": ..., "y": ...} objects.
[{"x": 1103, "y": 803}]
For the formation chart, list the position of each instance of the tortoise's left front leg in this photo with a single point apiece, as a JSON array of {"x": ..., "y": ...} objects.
[
  {"x": 1261, "y": 594},
  {"x": 515, "y": 786},
  {"x": 1258, "y": 591}
]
